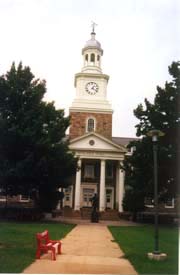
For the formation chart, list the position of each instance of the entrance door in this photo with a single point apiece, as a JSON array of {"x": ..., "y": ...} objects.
[
  {"x": 87, "y": 195},
  {"x": 109, "y": 198}
]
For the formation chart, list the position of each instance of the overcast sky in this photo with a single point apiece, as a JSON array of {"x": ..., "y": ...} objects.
[{"x": 140, "y": 39}]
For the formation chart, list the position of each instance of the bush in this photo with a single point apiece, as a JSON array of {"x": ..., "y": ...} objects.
[
  {"x": 20, "y": 213},
  {"x": 164, "y": 218},
  {"x": 133, "y": 202}
]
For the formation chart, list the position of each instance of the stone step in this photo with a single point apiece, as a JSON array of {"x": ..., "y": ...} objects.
[
  {"x": 85, "y": 213},
  {"x": 109, "y": 214},
  {"x": 69, "y": 212}
]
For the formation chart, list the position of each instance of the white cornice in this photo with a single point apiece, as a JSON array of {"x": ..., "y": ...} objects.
[
  {"x": 99, "y": 155},
  {"x": 90, "y": 75},
  {"x": 91, "y": 110},
  {"x": 93, "y": 105}
]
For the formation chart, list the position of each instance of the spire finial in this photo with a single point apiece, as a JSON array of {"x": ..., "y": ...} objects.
[{"x": 93, "y": 25}]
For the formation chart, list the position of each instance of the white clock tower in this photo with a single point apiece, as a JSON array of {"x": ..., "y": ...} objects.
[
  {"x": 91, "y": 93},
  {"x": 99, "y": 158}
]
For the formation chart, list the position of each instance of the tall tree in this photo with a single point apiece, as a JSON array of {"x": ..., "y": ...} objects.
[
  {"x": 163, "y": 114},
  {"x": 34, "y": 151}
]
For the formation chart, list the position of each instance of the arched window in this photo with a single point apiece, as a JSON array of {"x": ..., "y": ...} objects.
[
  {"x": 86, "y": 60},
  {"x": 98, "y": 60},
  {"x": 92, "y": 58},
  {"x": 90, "y": 125}
]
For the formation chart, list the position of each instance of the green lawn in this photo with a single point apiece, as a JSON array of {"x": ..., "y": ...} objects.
[
  {"x": 136, "y": 242},
  {"x": 18, "y": 243}
]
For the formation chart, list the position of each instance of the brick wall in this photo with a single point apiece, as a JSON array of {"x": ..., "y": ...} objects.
[{"x": 79, "y": 120}]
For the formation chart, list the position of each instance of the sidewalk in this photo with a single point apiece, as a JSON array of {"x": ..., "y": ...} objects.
[
  {"x": 70, "y": 220},
  {"x": 87, "y": 249}
]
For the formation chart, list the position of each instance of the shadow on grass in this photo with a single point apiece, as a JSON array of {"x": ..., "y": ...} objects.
[
  {"x": 137, "y": 241},
  {"x": 18, "y": 243}
]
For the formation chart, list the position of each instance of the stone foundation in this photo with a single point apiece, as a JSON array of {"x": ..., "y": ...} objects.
[{"x": 157, "y": 257}]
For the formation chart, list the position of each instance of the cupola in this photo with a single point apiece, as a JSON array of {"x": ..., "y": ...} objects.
[
  {"x": 92, "y": 53},
  {"x": 92, "y": 44}
]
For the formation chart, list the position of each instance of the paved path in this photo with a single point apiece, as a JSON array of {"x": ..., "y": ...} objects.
[{"x": 87, "y": 249}]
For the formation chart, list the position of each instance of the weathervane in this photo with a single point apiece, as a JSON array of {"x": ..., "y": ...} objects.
[{"x": 93, "y": 25}]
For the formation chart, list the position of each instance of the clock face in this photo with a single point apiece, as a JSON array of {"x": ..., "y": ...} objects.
[{"x": 91, "y": 88}]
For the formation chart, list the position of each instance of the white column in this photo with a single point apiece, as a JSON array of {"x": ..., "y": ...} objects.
[
  {"x": 121, "y": 189},
  {"x": 59, "y": 202},
  {"x": 117, "y": 187},
  {"x": 78, "y": 186},
  {"x": 102, "y": 186}
]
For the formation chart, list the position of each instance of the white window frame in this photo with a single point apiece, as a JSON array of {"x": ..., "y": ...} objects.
[
  {"x": 150, "y": 205},
  {"x": 87, "y": 130},
  {"x": 2, "y": 198},
  {"x": 170, "y": 206},
  {"x": 24, "y": 199},
  {"x": 111, "y": 197},
  {"x": 68, "y": 196}
]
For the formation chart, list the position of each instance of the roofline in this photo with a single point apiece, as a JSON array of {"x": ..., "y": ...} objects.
[
  {"x": 122, "y": 147},
  {"x": 127, "y": 137}
]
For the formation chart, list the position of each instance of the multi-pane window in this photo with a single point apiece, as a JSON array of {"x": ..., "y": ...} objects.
[
  {"x": 2, "y": 194},
  {"x": 67, "y": 194},
  {"x": 148, "y": 202},
  {"x": 2, "y": 197},
  {"x": 90, "y": 125},
  {"x": 108, "y": 195},
  {"x": 89, "y": 171},
  {"x": 67, "y": 197},
  {"x": 24, "y": 198},
  {"x": 169, "y": 203}
]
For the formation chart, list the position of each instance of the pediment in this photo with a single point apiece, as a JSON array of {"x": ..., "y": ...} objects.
[{"x": 95, "y": 142}]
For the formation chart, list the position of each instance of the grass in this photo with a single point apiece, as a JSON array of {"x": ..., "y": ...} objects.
[
  {"x": 18, "y": 243},
  {"x": 136, "y": 242}
]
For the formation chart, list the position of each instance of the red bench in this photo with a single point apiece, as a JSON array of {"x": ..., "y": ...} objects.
[{"x": 44, "y": 244}]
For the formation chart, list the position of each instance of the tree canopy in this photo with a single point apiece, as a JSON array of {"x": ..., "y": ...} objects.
[
  {"x": 34, "y": 152},
  {"x": 163, "y": 114}
]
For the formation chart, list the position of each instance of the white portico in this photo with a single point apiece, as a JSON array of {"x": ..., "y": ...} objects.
[{"x": 94, "y": 152}]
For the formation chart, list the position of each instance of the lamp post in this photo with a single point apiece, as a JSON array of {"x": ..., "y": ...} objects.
[{"x": 155, "y": 134}]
